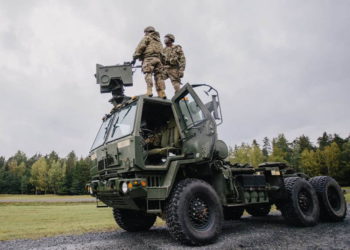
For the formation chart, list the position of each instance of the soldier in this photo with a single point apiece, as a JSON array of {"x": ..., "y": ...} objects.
[
  {"x": 149, "y": 51},
  {"x": 174, "y": 61}
]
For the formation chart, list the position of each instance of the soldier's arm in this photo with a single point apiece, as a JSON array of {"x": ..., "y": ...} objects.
[
  {"x": 182, "y": 59},
  {"x": 141, "y": 48},
  {"x": 162, "y": 56}
]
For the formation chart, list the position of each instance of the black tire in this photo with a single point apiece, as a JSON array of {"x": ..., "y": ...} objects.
[
  {"x": 259, "y": 210},
  {"x": 233, "y": 213},
  {"x": 194, "y": 213},
  {"x": 330, "y": 197},
  {"x": 301, "y": 205},
  {"x": 133, "y": 221}
]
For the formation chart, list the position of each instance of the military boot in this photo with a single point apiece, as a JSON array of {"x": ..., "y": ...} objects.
[
  {"x": 149, "y": 92},
  {"x": 161, "y": 94}
]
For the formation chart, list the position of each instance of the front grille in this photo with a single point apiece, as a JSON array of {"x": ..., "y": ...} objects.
[
  {"x": 113, "y": 200},
  {"x": 154, "y": 181},
  {"x": 106, "y": 163}
]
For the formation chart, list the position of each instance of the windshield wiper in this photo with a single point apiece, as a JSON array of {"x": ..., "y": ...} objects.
[
  {"x": 127, "y": 112},
  {"x": 115, "y": 126},
  {"x": 107, "y": 129}
]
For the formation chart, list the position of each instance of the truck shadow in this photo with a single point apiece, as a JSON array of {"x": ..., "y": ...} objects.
[{"x": 159, "y": 237}]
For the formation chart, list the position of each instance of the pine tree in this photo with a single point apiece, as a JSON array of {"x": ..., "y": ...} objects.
[
  {"x": 266, "y": 148},
  {"x": 70, "y": 166},
  {"x": 279, "y": 153},
  {"x": 324, "y": 140},
  {"x": 297, "y": 147},
  {"x": 2, "y": 162}
]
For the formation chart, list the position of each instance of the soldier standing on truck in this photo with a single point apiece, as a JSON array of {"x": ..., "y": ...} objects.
[
  {"x": 149, "y": 51},
  {"x": 174, "y": 61}
]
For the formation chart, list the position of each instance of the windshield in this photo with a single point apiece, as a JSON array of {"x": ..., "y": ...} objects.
[
  {"x": 102, "y": 133},
  {"x": 123, "y": 123},
  {"x": 190, "y": 110}
]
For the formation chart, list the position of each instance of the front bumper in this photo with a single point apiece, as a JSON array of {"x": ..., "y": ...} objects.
[{"x": 110, "y": 192}]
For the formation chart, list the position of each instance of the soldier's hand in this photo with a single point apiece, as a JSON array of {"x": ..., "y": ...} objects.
[{"x": 181, "y": 74}]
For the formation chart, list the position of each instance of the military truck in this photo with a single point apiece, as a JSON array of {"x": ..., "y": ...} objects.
[{"x": 154, "y": 157}]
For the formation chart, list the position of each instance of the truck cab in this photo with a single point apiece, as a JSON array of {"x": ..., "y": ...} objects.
[{"x": 142, "y": 143}]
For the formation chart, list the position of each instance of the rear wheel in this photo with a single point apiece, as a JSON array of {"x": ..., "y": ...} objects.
[
  {"x": 330, "y": 197},
  {"x": 133, "y": 221},
  {"x": 233, "y": 213},
  {"x": 194, "y": 213},
  {"x": 259, "y": 210},
  {"x": 301, "y": 205}
]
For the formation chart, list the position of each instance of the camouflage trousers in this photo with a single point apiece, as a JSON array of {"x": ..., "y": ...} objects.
[
  {"x": 152, "y": 66},
  {"x": 174, "y": 75}
]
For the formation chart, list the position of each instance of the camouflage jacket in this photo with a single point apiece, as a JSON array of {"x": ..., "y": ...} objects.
[
  {"x": 149, "y": 46},
  {"x": 174, "y": 57}
]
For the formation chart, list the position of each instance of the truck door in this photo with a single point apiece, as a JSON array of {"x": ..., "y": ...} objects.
[{"x": 197, "y": 126}]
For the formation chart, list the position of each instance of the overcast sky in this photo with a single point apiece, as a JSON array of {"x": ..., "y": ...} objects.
[{"x": 280, "y": 66}]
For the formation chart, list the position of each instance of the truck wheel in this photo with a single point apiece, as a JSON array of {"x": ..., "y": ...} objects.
[
  {"x": 233, "y": 213},
  {"x": 133, "y": 221},
  {"x": 301, "y": 205},
  {"x": 330, "y": 197},
  {"x": 259, "y": 210},
  {"x": 194, "y": 213}
]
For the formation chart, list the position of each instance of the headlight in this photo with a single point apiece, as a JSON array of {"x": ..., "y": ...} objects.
[{"x": 124, "y": 187}]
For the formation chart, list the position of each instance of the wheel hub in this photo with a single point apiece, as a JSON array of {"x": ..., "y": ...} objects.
[
  {"x": 304, "y": 200},
  {"x": 198, "y": 213}
]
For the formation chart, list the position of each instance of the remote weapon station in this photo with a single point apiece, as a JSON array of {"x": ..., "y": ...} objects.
[{"x": 154, "y": 157}]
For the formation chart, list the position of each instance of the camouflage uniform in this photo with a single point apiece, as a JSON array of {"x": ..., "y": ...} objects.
[
  {"x": 174, "y": 64},
  {"x": 149, "y": 51}
]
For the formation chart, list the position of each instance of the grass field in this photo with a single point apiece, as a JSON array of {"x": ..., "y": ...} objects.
[
  {"x": 35, "y": 220},
  {"x": 40, "y": 219},
  {"x": 41, "y": 197}
]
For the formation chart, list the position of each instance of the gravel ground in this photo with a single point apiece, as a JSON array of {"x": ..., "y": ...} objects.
[{"x": 268, "y": 232}]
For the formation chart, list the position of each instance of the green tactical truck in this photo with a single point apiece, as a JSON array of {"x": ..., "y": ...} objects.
[{"x": 154, "y": 157}]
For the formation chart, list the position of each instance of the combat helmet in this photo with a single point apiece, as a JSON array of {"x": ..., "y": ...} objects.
[
  {"x": 170, "y": 36},
  {"x": 149, "y": 29}
]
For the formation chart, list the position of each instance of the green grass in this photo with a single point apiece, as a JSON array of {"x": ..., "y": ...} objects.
[
  {"x": 36, "y": 220},
  {"x": 39, "y": 219},
  {"x": 41, "y": 197}
]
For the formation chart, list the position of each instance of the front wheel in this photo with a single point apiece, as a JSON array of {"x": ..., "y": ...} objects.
[
  {"x": 194, "y": 213},
  {"x": 133, "y": 221}
]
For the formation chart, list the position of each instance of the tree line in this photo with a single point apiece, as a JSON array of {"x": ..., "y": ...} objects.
[
  {"x": 44, "y": 174},
  {"x": 330, "y": 156}
]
